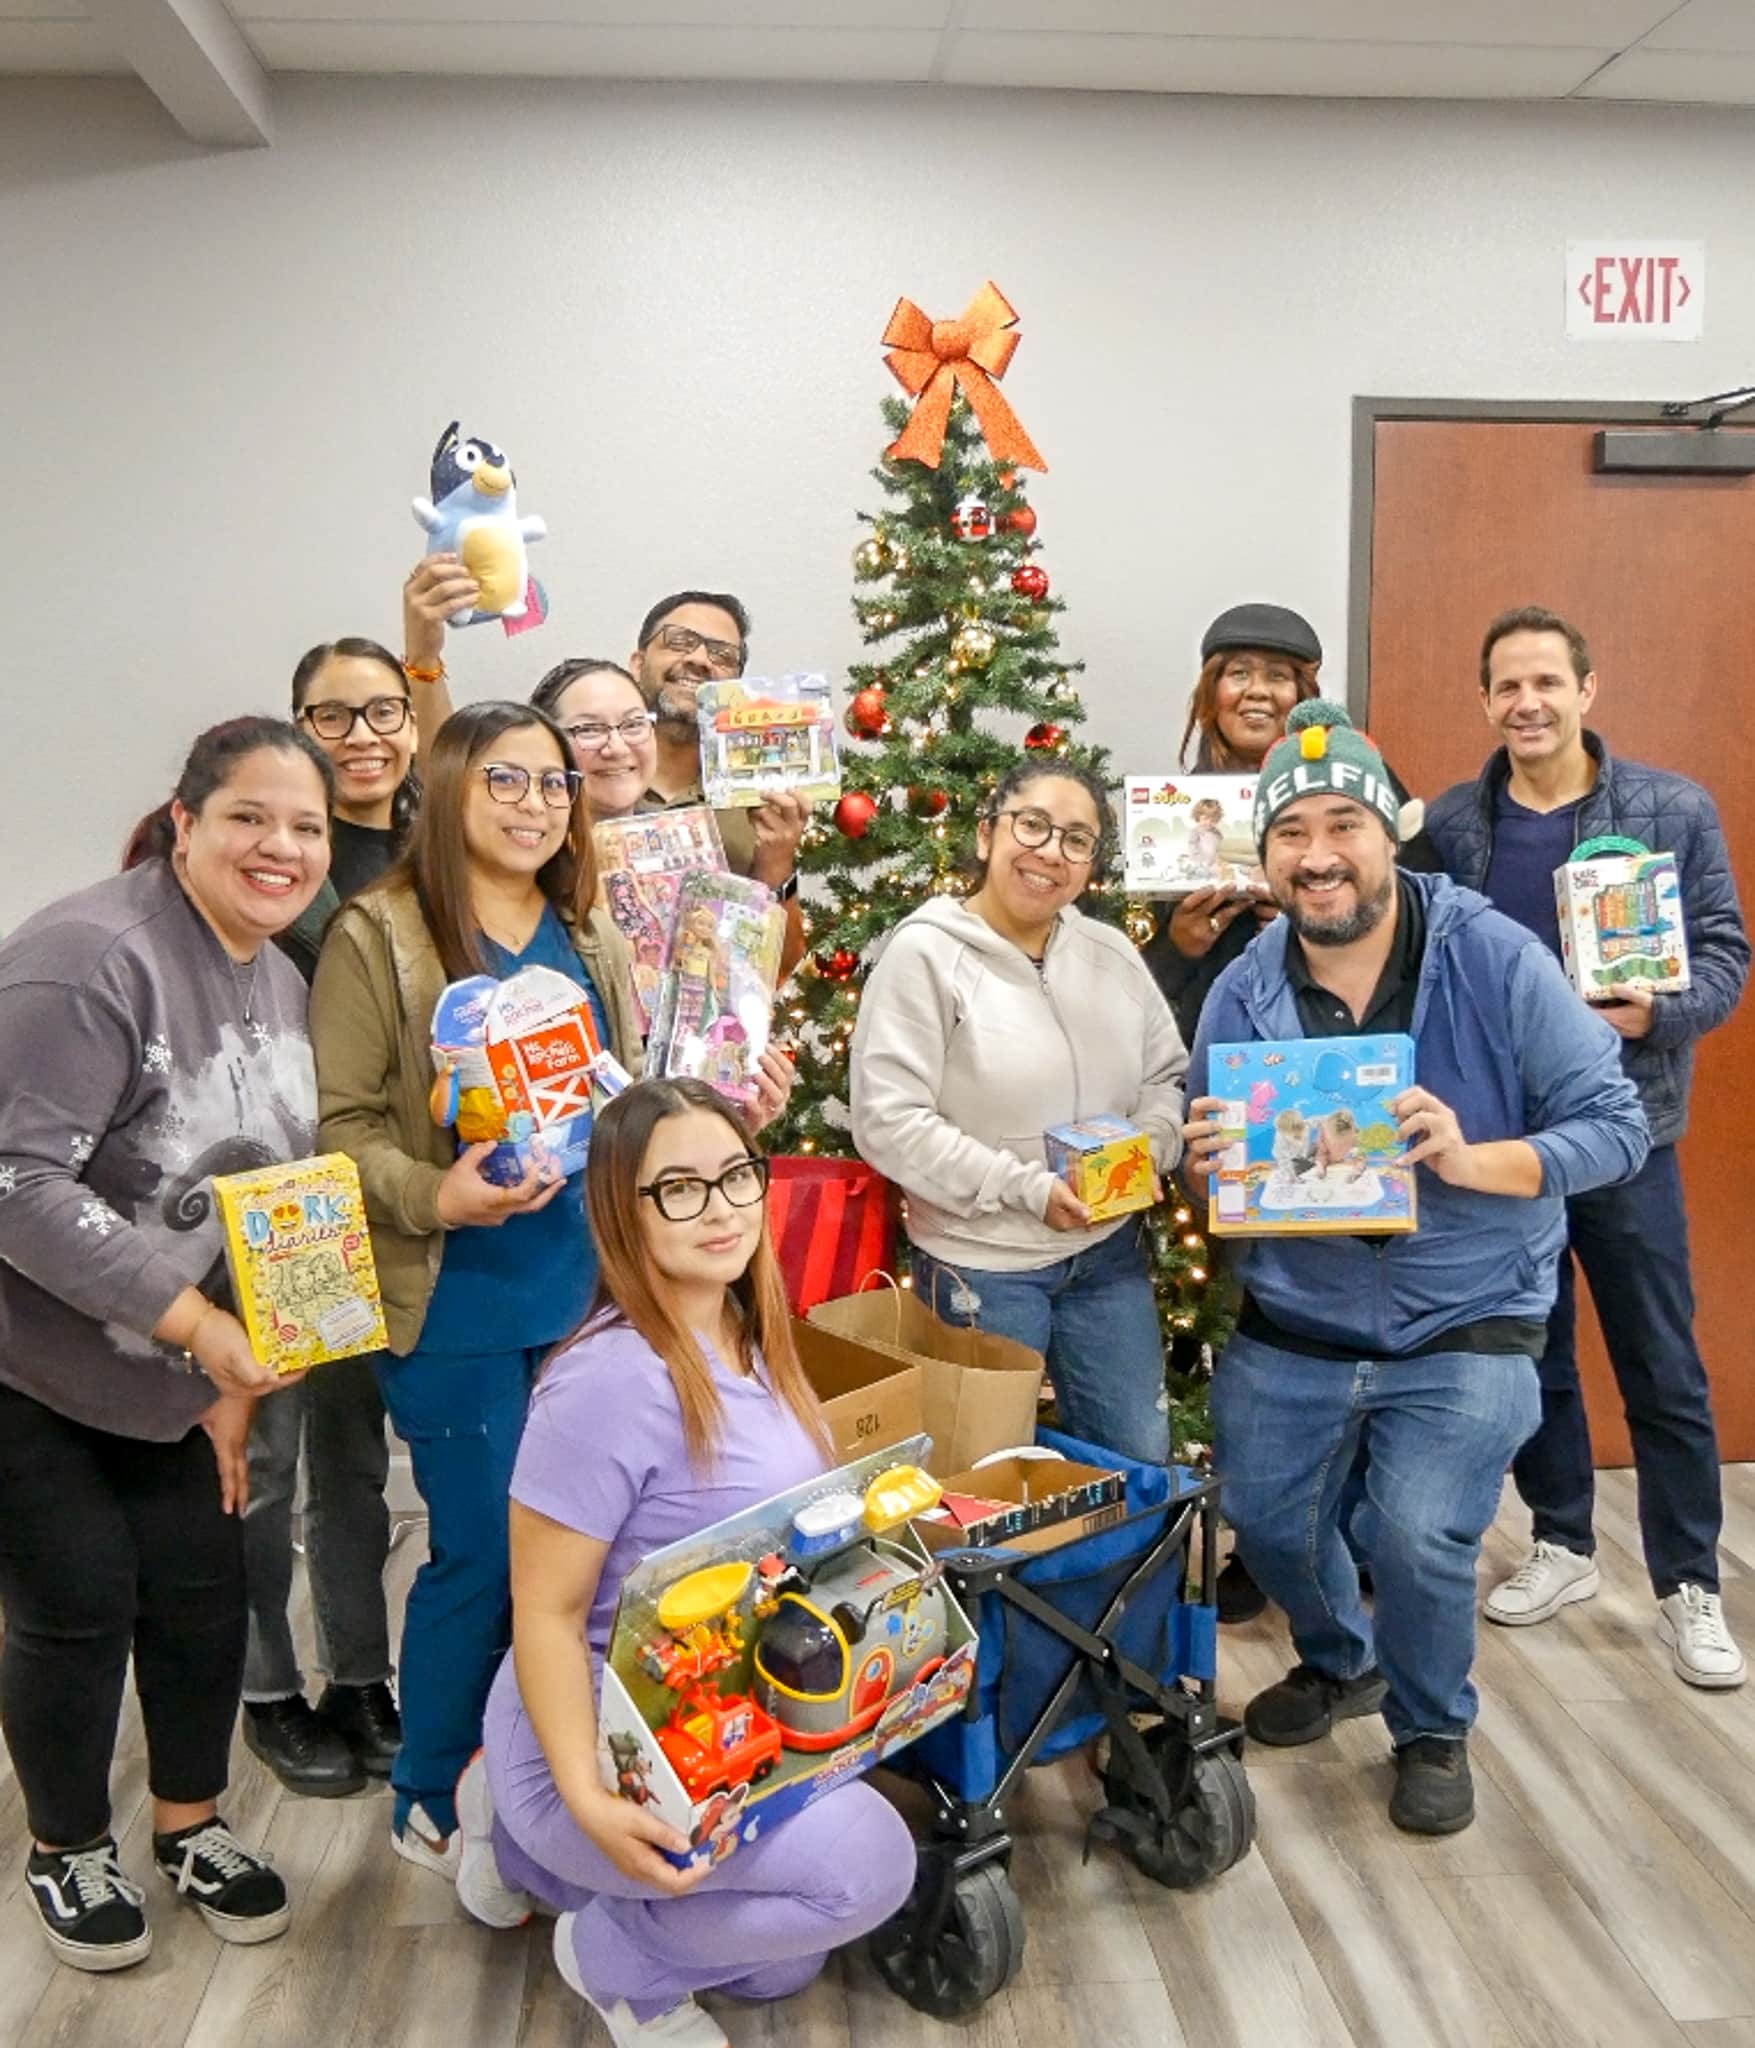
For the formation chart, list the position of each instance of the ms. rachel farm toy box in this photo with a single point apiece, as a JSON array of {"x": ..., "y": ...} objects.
[{"x": 1312, "y": 1144}]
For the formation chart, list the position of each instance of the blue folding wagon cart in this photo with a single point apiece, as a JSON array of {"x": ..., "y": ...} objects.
[{"x": 1094, "y": 1639}]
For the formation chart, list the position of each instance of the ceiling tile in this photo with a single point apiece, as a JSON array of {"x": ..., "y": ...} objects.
[
  {"x": 40, "y": 46},
  {"x": 1679, "y": 76},
  {"x": 1565, "y": 24},
  {"x": 629, "y": 14},
  {"x": 1707, "y": 25}
]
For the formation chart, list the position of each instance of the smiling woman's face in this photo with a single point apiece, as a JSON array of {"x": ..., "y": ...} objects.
[{"x": 605, "y": 719}]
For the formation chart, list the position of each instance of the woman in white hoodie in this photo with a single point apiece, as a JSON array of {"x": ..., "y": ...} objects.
[{"x": 986, "y": 1021}]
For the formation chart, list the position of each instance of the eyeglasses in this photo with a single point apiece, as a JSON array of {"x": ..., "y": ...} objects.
[
  {"x": 681, "y": 1197},
  {"x": 591, "y": 736},
  {"x": 336, "y": 721},
  {"x": 725, "y": 655},
  {"x": 1036, "y": 829},
  {"x": 509, "y": 785}
]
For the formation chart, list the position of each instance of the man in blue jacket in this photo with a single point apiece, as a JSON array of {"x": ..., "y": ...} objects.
[
  {"x": 1551, "y": 786},
  {"x": 1420, "y": 1348}
]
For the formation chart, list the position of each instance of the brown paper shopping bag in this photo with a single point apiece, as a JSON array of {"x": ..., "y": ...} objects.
[{"x": 978, "y": 1392}]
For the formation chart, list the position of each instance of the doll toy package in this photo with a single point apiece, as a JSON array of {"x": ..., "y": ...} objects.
[
  {"x": 755, "y": 1666},
  {"x": 1312, "y": 1144},
  {"x": 301, "y": 1262},
  {"x": 1621, "y": 921},
  {"x": 643, "y": 859},
  {"x": 1185, "y": 832},
  {"x": 715, "y": 999},
  {"x": 759, "y": 736}
]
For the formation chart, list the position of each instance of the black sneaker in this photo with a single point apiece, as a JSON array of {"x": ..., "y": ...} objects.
[
  {"x": 237, "y": 1892},
  {"x": 1434, "y": 1793},
  {"x": 365, "y": 1718},
  {"x": 303, "y": 1751},
  {"x": 1306, "y": 1704},
  {"x": 91, "y": 1913},
  {"x": 1239, "y": 1597}
]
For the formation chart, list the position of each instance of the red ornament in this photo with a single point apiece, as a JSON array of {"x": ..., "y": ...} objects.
[
  {"x": 840, "y": 965},
  {"x": 854, "y": 813},
  {"x": 972, "y": 520},
  {"x": 868, "y": 716},
  {"x": 1030, "y": 582},
  {"x": 927, "y": 803},
  {"x": 1021, "y": 520},
  {"x": 1044, "y": 738}
]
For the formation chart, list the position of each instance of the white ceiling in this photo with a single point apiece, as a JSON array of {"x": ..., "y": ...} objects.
[{"x": 1699, "y": 51}]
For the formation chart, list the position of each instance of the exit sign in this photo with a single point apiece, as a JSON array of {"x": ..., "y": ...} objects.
[{"x": 1635, "y": 291}]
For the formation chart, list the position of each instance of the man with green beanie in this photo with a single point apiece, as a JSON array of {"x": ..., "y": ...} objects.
[{"x": 1418, "y": 1349}]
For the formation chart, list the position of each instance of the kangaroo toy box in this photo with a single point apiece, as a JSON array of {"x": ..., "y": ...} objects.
[
  {"x": 515, "y": 1061},
  {"x": 1311, "y": 1140},
  {"x": 755, "y": 1666},
  {"x": 1106, "y": 1161},
  {"x": 301, "y": 1262},
  {"x": 642, "y": 859},
  {"x": 1180, "y": 833},
  {"x": 1621, "y": 923},
  {"x": 759, "y": 736}
]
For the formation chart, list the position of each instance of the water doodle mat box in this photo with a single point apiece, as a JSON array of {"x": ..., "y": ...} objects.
[
  {"x": 1106, "y": 1161},
  {"x": 301, "y": 1262},
  {"x": 1313, "y": 1145},
  {"x": 758, "y": 736},
  {"x": 1180, "y": 833},
  {"x": 1621, "y": 923},
  {"x": 642, "y": 860}
]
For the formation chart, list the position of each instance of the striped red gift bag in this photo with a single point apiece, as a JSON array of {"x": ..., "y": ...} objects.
[{"x": 833, "y": 1221}]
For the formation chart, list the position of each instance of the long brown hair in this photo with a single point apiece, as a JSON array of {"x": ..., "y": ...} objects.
[
  {"x": 435, "y": 864},
  {"x": 630, "y": 1292},
  {"x": 1212, "y": 756}
]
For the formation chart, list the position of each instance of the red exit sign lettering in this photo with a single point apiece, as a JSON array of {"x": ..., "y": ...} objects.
[{"x": 1635, "y": 291}]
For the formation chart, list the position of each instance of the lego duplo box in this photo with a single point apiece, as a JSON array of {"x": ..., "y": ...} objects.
[
  {"x": 1180, "y": 833},
  {"x": 1106, "y": 1161},
  {"x": 1621, "y": 924},
  {"x": 1312, "y": 1141},
  {"x": 301, "y": 1262}
]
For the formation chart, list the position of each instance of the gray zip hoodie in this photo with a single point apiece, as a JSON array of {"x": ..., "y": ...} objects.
[{"x": 966, "y": 1052}]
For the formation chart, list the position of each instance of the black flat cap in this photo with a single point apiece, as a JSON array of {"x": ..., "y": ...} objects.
[{"x": 1269, "y": 627}]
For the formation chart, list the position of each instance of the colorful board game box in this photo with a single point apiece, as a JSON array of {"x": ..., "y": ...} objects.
[
  {"x": 1313, "y": 1145},
  {"x": 716, "y": 995},
  {"x": 301, "y": 1262},
  {"x": 641, "y": 861},
  {"x": 758, "y": 736},
  {"x": 1621, "y": 924},
  {"x": 1106, "y": 1161},
  {"x": 1180, "y": 833}
]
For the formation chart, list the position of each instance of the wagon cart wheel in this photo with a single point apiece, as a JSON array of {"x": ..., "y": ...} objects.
[
  {"x": 1208, "y": 1831},
  {"x": 976, "y": 1952}
]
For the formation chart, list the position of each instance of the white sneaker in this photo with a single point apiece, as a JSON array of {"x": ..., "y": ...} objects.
[
  {"x": 1691, "y": 1623},
  {"x": 418, "y": 1842},
  {"x": 1548, "y": 1579},
  {"x": 485, "y": 1894},
  {"x": 684, "y": 2026}
]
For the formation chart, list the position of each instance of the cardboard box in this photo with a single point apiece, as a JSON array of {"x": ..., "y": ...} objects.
[
  {"x": 978, "y": 1392},
  {"x": 1106, "y": 1161},
  {"x": 1621, "y": 924},
  {"x": 872, "y": 1398},
  {"x": 1078, "y": 1501},
  {"x": 1181, "y": 832}
]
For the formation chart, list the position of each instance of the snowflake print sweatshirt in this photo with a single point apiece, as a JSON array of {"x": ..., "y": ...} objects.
[{"x": 141, "y": 1060}]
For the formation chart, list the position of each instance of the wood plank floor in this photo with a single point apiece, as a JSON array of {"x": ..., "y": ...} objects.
[{"x": 1605, "y": 1896}]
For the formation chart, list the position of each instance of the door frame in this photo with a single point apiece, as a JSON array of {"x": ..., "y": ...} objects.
[{"x": 1366, "y": 414}]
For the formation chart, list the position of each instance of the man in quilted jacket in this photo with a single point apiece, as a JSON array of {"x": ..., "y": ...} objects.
[{"x": 1551, "y": 785}]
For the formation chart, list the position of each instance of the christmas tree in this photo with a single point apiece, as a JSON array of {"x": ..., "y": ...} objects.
[{"x": 959, "y": 615}]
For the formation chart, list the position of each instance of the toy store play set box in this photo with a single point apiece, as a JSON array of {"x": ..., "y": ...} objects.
[
  {"x": 301, "y": 1262},
  {"x": 1106, "y": 1161},
  {"x": 1180, "y": 833},
  {"x": 755, "y": 1666},
  {"x": 759, "y": 736},
  {"x": 1621, "y": 921},
  {"x": 1312, "y": 1145},
  {"x": 642, "y": 860}
]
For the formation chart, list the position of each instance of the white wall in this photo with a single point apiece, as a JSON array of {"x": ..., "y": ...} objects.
[{"x": 224, "y": 373}]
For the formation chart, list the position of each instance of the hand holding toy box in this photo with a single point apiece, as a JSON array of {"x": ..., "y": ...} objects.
[
  {"x": 1621, "y": 921},
  {"x": 1186, "y": 832},
  {"x": 716, "y": 995},
  {"x": 1313, "y": 1146},
  {"x": 642, "y": 859},
  {"x": 755, "y": 1666},
  {"x": 759, "y": 736},
  {"x": 301, "y": 1262},
  {"x": 1107, "y": 1162},
  {"x": 515, "y": 1063}
]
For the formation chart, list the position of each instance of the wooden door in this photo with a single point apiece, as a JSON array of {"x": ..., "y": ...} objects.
[{"x": 1472, "y": 516}]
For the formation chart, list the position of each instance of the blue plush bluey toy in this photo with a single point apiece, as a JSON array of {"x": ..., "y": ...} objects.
[{"x": 473, "y": 514}]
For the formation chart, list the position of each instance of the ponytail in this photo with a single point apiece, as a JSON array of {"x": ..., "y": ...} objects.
[{"x": 152, "y": 839}]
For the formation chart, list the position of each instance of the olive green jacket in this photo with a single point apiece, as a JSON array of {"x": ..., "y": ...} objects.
[{"x": 371, "y": 1029}]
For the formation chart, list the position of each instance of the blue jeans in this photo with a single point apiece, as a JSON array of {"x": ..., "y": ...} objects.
[
  {"x": 1632, "y": 1242},
  {"x": 461, "y": 1415},
  {"x": 1094, "y": 1318},
  {"x": 1439, "y": 1432}
]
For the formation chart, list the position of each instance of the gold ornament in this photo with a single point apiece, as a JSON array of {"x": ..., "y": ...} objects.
[
  {"x": 973, "y": 645},
  {"x": 1139, "y": 924},
  {"x": 900, "y": 559},
  {"x": 871, "y": 558}
]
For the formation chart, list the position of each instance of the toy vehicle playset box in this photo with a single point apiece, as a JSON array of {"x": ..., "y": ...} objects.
[
  {"x": 715, "y": 1005},
  {"x": 758, "y": 736},
  {"x": 1180, "y": 833},
  {"x": 301, "y": 1262},
  {"x": 1621, "y": 921},
  {"x": 757, "y": 1665},
  {"x": 641, "y": 860},
  {"x": 1312, "y": 1141},
  {"x": 1106, "y": 1161}
]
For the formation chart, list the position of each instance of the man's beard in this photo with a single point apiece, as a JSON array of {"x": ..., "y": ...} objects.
[
  {"x": 674, "y": 705},
  {"x": 1366, "y": 915}
]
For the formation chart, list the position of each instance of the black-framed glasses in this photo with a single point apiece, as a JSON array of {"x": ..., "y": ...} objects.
[
  {"x": 681, "y": 1197},
  {"x": 591, "y": 735},
  {"x": 510, "y": 785},
  {"x": 724, "y": 655},
  {"x": 1035, "y": 829},
  {"x": 336, "y": 721}
]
